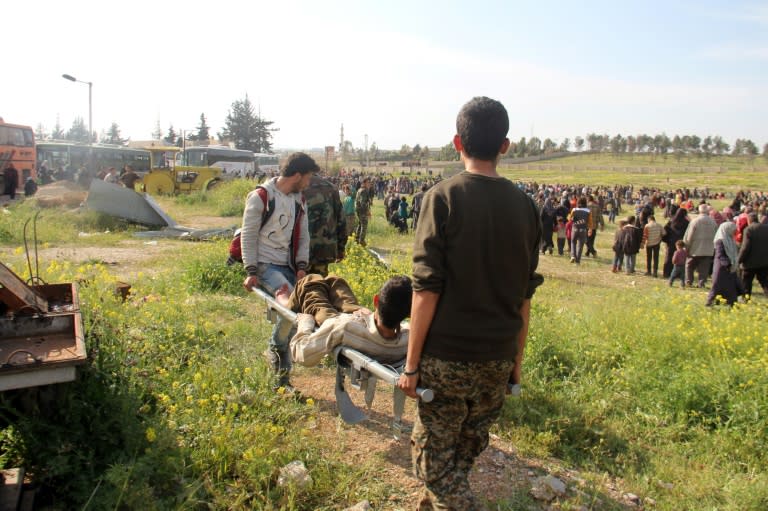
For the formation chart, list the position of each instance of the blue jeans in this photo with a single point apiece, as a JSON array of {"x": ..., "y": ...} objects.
[
  {"x": 678, "y": 271},
  {"x": 630, "y": 259},
  {"x": 271, "y": 278},
  {"x": 579, "y": 239}
]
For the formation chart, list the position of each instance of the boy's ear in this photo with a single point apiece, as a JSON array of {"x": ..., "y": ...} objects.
[
  {"x": 375, "y": 301},
  {"x": 457, "y": 143}
]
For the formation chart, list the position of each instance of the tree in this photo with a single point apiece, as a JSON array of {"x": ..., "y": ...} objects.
[
  {"x": 578, "y": 143},
  {"x": 405, "y": 151},
  {"x": 565, "y": 145},
  {"x": 720, "y": 145},
  {"x": 170, "y": 138},
  {"x": 738, "y": 147},
  {"x": 618, "y": 144},
  {"x": 522, "y": 148},
  {"x": 113, "y": 135},
  {"x": 534, "y": 146},
  {"x": 78, "y": 132},
  {"x": 373, "y": 151},
  {"x": 549, "y": 146},
  {"x": 246, "y": 129},
  {"x": 750, "y": 149},
  {"x": 203, "y": 134},
  {"x": 677, "y": 147},
  {"x": 765, "y": 151},
  {"x": 594, "y": 140},
  {"x": 57, "y": 133},
  {"x": 631, "y": 144},
  {"x": 416, "y": 151},
  {"x": 706, "y": 147},
  {"x": 346, "y": 150},
  {"x": 425, "y": 152},
  {"x": 157, "y": 134},
  {"x": 40, "y": 132},
  {"x": 448, "y": 152}
]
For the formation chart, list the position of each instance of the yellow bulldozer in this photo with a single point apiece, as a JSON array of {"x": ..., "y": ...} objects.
[{"x": 167, "y": 177}]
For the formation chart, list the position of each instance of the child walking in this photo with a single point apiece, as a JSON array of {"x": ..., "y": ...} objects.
[
  {"x": 678, "y": 260},
  {"x": 561, "y": 236}
]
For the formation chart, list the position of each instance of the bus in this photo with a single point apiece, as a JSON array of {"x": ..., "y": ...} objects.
[
  {"x": 268, "y": 164},
  {"x": 69, "y": 156},
  {"x": 17, "y": 146},
  {"x": 232, "y": 162}
]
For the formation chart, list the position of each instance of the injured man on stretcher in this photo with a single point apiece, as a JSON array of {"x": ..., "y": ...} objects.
[{"x": 330, "y": 303}]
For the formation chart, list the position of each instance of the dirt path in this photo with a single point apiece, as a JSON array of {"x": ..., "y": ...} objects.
[{"x": 500, "y": 474}]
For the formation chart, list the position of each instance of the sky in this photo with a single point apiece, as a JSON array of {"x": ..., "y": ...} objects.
[{"x": 397, "y": 71}]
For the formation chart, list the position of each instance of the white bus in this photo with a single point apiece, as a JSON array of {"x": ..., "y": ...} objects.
[
  {"x": 268, "y": 164},
  {"x": 233, "y": 162}
]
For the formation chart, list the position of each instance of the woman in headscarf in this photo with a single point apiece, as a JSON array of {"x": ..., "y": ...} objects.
[
  {"x": 673, "y": 231},
  {"x": 725, "y": 280}
]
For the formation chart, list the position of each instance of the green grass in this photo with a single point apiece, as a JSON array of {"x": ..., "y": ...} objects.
[
  {"x": 624, "y": 379},
  {"x": 731, "y": 174}
]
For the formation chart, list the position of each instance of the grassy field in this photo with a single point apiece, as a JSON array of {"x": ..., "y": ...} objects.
[
  {"x": 627, "y": 382},
  {"x": 727, "y": 174}
]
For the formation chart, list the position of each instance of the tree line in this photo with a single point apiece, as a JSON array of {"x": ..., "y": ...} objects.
[
  {"x": 661, "y": 145},
  {"x": 243, "y": 126}
]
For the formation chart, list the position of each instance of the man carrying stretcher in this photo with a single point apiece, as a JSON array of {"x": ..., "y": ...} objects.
[{"x": 329, "y": 303}]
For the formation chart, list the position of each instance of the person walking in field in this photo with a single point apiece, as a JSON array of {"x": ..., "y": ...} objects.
[
  {"x": 699, "y": 239},
  {"x": 725, "y": 281},
  {"x": 652, "y": 241},
  {"x": 10, "y": 181},
  {"x": 582, "y": 228},
  {"x": 474, "y": 275},
  {"x": 631, "y": 237},
  {"x": 363, "y": 203},
  {"x": 348, "y": 204},
  {"x": 596, "y": 212},
  {"x": 753, "y": 255},
  {"x": 274, "y": 240},
  {"x": 673, "y": 230}
]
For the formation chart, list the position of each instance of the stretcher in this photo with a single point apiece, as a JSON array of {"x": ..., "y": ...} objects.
[{"x": 363, "y": 373}]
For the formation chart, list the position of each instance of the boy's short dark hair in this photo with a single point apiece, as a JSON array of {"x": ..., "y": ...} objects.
[
  {"x": 395, "y": 301},
  {"x": 299, "y": 163},
  {"x": 680, "y": 244},
  {"x": 582, "y": 202},
  {"x": 482, "y": 126}
]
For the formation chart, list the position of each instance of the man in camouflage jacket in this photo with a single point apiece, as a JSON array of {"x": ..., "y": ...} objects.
[
  {"x": 363, "y": 201},
  {"x": 327, "y": 225}
]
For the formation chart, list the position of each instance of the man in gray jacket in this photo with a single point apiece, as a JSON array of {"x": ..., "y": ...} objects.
[
  {"x": 275, "y": 246},
  {"x": 699, "y": 239}
]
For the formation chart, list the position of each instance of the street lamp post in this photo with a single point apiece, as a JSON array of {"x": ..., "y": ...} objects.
[{"x": 90, "y": 104}]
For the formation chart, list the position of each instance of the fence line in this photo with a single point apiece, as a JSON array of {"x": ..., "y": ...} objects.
[{"x": 645, "y": 169}]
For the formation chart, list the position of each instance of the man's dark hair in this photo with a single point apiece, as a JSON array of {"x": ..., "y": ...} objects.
[
  {"x": 299, "y": 163},
  {"x": 582, "y": 202},
  {"x": 752, "y": 217},
  {"x": 482, "y": 125},
  {"x": 395, "y": 301}
]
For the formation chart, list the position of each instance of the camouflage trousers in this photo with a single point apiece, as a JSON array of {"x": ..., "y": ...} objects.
[
  {"x": 362, "y": 229},
  {"x": 452, "y": 430},
  {"x": 323, "y": 297}
]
